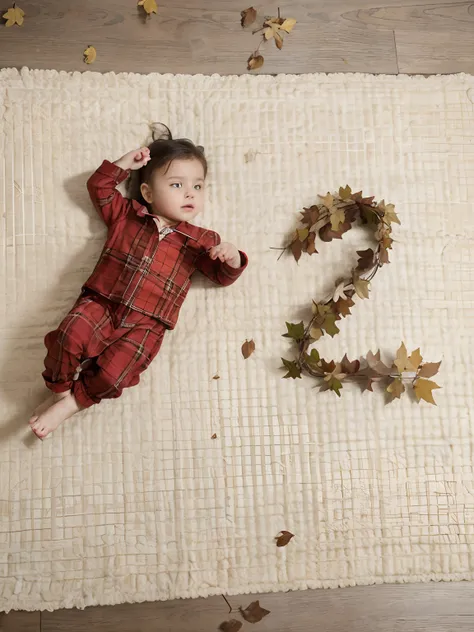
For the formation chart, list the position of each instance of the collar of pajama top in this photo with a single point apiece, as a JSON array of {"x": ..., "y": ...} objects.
[{"x": 162, "y": 232}]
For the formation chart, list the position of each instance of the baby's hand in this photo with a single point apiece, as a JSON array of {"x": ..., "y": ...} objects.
[
  {"x": 226, "y": 252},
  {"x": 134, "y": 159}
]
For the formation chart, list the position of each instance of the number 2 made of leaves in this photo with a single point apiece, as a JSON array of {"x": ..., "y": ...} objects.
[{"x": 330, "y": 219}]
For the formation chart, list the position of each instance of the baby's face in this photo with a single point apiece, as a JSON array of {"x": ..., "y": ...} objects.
[{"x": 177, "y": 191}]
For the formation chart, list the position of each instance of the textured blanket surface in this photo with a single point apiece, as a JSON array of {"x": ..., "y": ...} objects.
[{"x": 133, "y": 499}]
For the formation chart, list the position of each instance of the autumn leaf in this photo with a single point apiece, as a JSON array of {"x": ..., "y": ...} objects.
[
  {"x": 149, "y": 6},
  {"x": 248, "y": 348},
  {"x": 14, "y": 15},
  {"x": 295, "y": 331},
  {"x": 230, "y": 626},
  {"x": 214, "y": 436},
  {"x": 302, "y": 233},
  {"x": 311, "y": 248},
  {"x": 89, "y": 55},
  {"x": 361, "y": 286},
  {"x": 288, "y": 24},
  {"x": 389, "y": 214},
  {"x": 254, "y": 612},
  {"x": 321, "y": 309},
  {"x": 396, "y": 388},
  {"x": 310, "y": 215},
  {"x": 404, "y": 363},
  {"x": 429, "y": 369},
  {"x": 284, "y": 538},
  {"x": 329, "y": 325},
  {"x": 415, "y": 359},
  {"x": 296, "y": 249},
  {"x": 342, "y": 307},
  {"x": 339, "y": 292},
  {"x": 337, "y": 217},
  {"x": 366, "y": 260},
  {"x": 375, "y": 363},
  {"x": 254, "y": 62},
  {"x": 313, "y": 358},
  {"x": 272, "y": 27},
  {"x": 293, "y": 370},
  {"x": 423, "y": 390},
  {"x": 316, "y": 333},
  {"x": 345, "y": 193},
  {"x": 349, "y": 367},
  {"x": 327, "y": 200},
  {"x": 248, "y": 16}
]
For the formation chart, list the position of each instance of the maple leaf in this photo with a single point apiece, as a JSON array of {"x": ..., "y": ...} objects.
[
  {"x": 233, "y": 625},
  {"x": 388, "y": 211},
  {"x": 248, "y": 16},
  {"x": 329, "y": 325},
  {"x": 395, "y": 388},
  {"x": 272, "y": 27},
  {"x": 337, "y": 217},
  {"x": 293, "y": 369},
  {"x": 342, "y": 306},
  {"x": 149, "y": 6},
  {"x": 254, "y": 612},
  {"x": 345, "y": 192},
  {"x": 366, "y": 260},
  {"x": 296, "y": 248},
  {"x": 360, "y": 199},
  {"x": 327, "y": 234},
  {"x": 423, "y": 390},
  {"x": 284, "y": 538},
  {"x": 375, "y": 363},
  {"x": 334, "y": 385},
  {"x": 415, "y": 359},
  {"x": 327, "y": 200},
  {"x": 254, "y": 62},
  {"x": 302, "y": 233},
  {"x": 313, "y": 358},
  {"x": 90, "y": 55},
  {"x": 248, "y": 348},
  {"x": 310, "y": 247},
  {"x": 361, "y": 286},
  {"x": 310, "y": 215},
  {"x": 327, "y": 367},
  {"x": 14, "y": 15},
  {"x": 321, "y": 309},
  {"x": 429, "y": 369},
  {"x": 349, "y": 367},
  {"x": 295, "y": 331},
  {"x": 404, "y": 363}
]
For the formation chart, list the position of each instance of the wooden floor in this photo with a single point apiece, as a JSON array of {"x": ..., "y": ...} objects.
[{"x": 204, "y": 36}]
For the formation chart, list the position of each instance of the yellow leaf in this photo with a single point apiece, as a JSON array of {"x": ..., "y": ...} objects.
[
  {"x": 338, "y": 217},
  {"x": 423, "y": 390},
  {"x": 316, "y": 333},
  {"x": 328, "y": 200},
  {"x": 149, "y": 6},
  {"x": 390, "y": 215},
  {"x": 89, "y": 55},
  {"x": 14, "y": 15},
  {"x": 401, "y": 360},
  {"x": 345, "y": 192},
  {"x": 268, "y": 33},
  {"x": 415, "y": 360},
  {"x": 288, "y": 24},
  {"x": 361, "y": 286},
  {"x": 254, "y": 62},
  {"x": 396, "y": 388}
]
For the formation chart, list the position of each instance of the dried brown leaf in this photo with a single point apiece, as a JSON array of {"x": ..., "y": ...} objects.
[
  {"x": 216, "y": 377},
  {"x": 423, "y": 390},
  {"x": 248, "y": 348},
  {"x": 254, "y": 613},
  {"x": 296, "y": 249},
  {"x": 248, "y": 16},
  {"x": 230, "y": 626},
  {"x": 284, "y": 538},
  {"x": 396, "y": 388},
  {"x": 429, "y": 369},
  {"x": 214, "y": 436},
  {"x": 349, "y": 367},
  {"x": 278, "y": 40},
  {"x": 254, "y": 62}
]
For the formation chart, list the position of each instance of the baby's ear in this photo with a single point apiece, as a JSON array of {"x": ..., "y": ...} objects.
[{"x": 146, "y": 192}]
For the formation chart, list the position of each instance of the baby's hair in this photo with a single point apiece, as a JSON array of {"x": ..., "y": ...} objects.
[{"x": 163, "y": 150}]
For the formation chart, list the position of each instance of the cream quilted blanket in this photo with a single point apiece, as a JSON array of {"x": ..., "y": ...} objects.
[{"x": 133, "y": 500}]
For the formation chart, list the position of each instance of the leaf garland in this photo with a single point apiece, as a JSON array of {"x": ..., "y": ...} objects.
[{"x": 330, "y": 219}]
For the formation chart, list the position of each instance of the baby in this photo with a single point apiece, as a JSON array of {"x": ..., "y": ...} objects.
[{"x": 135, "y": 292}]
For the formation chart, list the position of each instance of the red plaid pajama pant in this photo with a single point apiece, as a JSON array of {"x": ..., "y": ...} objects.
[{"x": 114, "y": 342}]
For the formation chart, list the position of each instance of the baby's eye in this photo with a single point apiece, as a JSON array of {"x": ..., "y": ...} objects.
[
  {"x": 176, "y": 185},
  {"x": 198, "y": 187}
]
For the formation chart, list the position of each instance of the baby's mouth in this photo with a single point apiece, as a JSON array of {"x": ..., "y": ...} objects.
[{"x": 188, "y": 207}]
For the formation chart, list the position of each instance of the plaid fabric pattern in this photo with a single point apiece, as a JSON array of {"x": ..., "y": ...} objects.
[
  {"x": 136, "y": 268},
  {"x": 116, "y": 343}
]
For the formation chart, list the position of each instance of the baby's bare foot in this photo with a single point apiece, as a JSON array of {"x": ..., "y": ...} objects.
[
  {"x": 48, "y": 402},
  {"x": 57, "y": 413}
]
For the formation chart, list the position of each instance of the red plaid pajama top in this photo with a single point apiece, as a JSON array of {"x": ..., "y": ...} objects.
[{"x": 139, "y": 270}]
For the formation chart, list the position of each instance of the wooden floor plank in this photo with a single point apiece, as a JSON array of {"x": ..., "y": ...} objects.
[
  {"x": 389, "y": 608},
  {"x": 20, "y": 622},
  {"x": 433, "y": 53}
]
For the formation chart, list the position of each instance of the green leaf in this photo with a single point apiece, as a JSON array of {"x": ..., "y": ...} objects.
[
  {"x": 295, "y": 331},
  {"x": 313, "y": 357},
  {"x": 293, "y": 369},
  {"x": 302, "y": 233},
  {"x": 329, "y": 325},
  {"x": 345, "y": 192}
]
